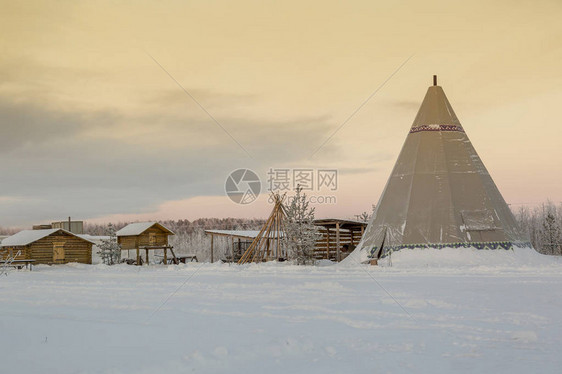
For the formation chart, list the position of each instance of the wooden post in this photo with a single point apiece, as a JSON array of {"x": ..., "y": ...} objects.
[
  {"x": 327, "y": 243},
  {"x": 212, "y": 249},
  {"x": 138, "y": 256},
  {"x": 146, "y": 249},
  {"x": 267, "y": 249},
  {"x": 165, "y": 256},
  {"x": 277, "y": 238},
  {"x": 338, "y": 255}
]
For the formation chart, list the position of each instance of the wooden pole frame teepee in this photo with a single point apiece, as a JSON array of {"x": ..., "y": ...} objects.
[{"x": 270, "y": 236}]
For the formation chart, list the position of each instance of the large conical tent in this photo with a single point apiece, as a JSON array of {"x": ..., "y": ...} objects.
[{"x": 439, "y": 193}]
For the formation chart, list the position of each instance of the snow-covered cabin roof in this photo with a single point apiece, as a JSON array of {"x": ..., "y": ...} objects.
[
  {"x": 140, "y": 227},
  {"x": 94, "y": 238},
  {"x": 26, "y": 237},
  {"x": 251, "y": 234}
]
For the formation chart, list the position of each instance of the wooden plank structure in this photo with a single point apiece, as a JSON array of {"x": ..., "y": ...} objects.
[
  {"x": 268, "y": 244},
  {"x": 339, "y": 238},
  {"x": 239, "y": 241},
  {"x": 336, "y": 233},
  {"x": 147, "y": 236},
  {"x": 51, "y": 246}
]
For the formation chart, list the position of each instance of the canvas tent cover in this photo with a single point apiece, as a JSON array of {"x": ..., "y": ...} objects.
[{"x": 439, "y": 193}]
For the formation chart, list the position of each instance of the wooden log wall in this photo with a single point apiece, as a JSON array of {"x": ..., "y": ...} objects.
[
  {"x": 144, "y": 239},
  {"x": 75, "y": 249},
  {"x": 127, "y": 242},
  {"x": 328, "y": 239},
  {"x": 160, "y": 237}
]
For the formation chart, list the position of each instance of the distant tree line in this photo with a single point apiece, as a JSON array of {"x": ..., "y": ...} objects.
[
  {"x": 8, "y": 231},
  {"x": 543, "y": 226}
]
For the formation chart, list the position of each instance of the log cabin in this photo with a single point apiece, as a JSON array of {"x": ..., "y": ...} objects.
[
  {"x": 51, "y": 246},
  {"x": 144, "y": 235}
]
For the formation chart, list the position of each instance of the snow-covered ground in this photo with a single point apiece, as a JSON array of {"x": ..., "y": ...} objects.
[{"x": 491, "y": 311}]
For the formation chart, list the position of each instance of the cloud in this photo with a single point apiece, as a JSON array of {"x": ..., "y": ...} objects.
[
  {"x": 410, "y": 105},
  {"x": 63, "y": 163},
  {"x": 28, "y": 125},
  {"x": 209, "y": 99}
]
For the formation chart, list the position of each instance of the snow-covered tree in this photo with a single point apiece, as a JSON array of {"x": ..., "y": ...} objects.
[
  {"x": 551, "y": 235},
  {"x": 542, "y": 225},
  {"x": 110, "y": 250},
  {"x": 301, "y": 233}
]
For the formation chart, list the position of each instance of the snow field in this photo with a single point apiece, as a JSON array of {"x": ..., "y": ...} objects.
[{"x": 480, "y": 314}]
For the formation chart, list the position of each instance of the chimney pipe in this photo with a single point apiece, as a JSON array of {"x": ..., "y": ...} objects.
[{"x": 435, "y": 80}]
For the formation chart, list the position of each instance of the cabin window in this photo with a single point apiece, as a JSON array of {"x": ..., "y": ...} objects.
[{"x": 58, "y": 252}]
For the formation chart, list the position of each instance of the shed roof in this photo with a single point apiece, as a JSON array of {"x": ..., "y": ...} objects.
[
  {"x": 140, "y": 227},
  {"x": 94, "y": 238},
  {"x": 26, "y": 237},
  {"x": 250, "y": 234},
  {"x": 342, "y": 222}
]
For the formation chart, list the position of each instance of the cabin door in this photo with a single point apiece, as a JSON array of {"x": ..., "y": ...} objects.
[
  {"x": 58, "y": 252},
  {"x": 151, "y": 238}
]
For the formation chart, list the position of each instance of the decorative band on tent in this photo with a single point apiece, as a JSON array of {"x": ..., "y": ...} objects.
[
  {"x": 436, "y": 128},
  {"x": 477, "y": 245}
]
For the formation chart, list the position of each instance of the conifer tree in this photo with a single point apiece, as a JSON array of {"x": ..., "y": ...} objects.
[
  {"x": 110, "y": 250},
  {"x": 301, "y": 233},
  {"x": 551, "y": 236}
]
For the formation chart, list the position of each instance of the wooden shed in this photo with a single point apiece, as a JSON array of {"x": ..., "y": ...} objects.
[
  {"x": 339, "y": 237},
  {"x": 51, "y": 246},
  {"x": 145, "y": 235},
  {"x": 239, "y": 241}
]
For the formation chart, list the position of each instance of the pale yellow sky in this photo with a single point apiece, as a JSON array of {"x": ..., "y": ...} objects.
[{"x": 94, "y": 128}]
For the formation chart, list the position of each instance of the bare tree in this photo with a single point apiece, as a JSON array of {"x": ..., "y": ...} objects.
[{"x": 366, "y": 216}]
